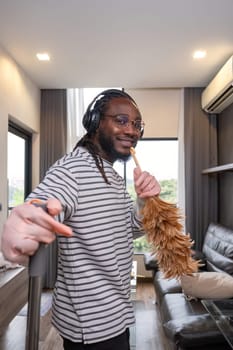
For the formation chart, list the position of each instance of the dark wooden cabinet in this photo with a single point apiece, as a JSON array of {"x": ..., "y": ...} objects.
[{"x": 13, "y": 294}]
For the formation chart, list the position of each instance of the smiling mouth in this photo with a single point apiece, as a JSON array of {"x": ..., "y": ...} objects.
[
  {"x": 127, "y": 139},
  {"x": 127, "y": 143}
]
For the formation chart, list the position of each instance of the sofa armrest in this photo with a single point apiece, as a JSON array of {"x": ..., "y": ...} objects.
[
  {"x": 195, "y": 330},
  {"x": 150, "y": 262}
]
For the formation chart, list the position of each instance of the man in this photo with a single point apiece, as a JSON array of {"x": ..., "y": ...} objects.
[{"x": 92, "y": 307}]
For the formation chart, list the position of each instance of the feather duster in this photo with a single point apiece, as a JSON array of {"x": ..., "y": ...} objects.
[{"x": 164, "y": 230}]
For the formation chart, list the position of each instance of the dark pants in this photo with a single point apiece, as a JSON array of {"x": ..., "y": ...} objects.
[{"x": 121, "y": 342}]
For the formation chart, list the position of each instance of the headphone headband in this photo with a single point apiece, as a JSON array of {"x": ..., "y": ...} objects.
[{"x": 91, "y": 118}]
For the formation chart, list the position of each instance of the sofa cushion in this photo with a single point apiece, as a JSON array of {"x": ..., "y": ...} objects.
[
  {"x": 218, "y": 248},
  {"x": 175, "y": 306},
  {"x": 196, "y": 331},
  {"x": 208, "y": 285},
  {"x": 164, "y": 286},
  {"x": 188, "y": 324}
]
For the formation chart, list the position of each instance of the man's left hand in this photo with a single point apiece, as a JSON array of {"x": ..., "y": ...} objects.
[{"x": 145, "y": 184}]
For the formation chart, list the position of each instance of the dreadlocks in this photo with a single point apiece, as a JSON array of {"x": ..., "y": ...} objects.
[{"x": 93, "y": 150}]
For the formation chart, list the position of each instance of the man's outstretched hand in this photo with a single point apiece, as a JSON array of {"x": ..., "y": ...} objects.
[{"x": 28, "y": 226}]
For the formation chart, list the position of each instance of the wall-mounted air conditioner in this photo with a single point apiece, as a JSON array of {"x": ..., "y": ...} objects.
[{"x": 219, "y": 93}]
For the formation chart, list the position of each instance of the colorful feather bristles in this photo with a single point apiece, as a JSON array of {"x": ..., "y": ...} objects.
[{"x": 162, "y": 224}]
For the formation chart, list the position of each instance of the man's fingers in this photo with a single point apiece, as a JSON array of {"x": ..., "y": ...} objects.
[
  {"x": 145, "y": 184},
  {"x": 28, "y": 225},
  {"x": 45, "y": 224},
  {"x": 54, "y": 206},
  {"x": 137, "y": 172},
  {"x": 28, "y": 246},
  {"x": 61, "y": 229},
  {"x": 36, "y": 215}
]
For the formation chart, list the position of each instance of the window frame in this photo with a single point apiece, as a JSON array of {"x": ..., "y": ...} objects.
[{"x": 19, "y": 131}]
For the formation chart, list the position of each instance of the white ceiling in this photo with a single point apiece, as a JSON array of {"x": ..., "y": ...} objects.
[{"x": 127, "y": 43}]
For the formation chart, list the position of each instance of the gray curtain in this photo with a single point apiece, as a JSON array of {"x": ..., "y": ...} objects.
[
  {"x": 53, "y": 131},
  {"x": 200, "y": 148}
]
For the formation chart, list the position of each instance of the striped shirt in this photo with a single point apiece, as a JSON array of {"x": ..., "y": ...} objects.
[{"x": 92, "y": 292}]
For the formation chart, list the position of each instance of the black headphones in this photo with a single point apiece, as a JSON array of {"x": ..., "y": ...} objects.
[{"x": 91, "y": 118}]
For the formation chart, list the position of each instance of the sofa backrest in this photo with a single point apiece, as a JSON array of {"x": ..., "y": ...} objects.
[{"x": 218, "y": 248}]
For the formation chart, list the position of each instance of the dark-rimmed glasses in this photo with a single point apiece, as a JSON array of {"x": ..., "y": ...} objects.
[{"x": 123, "y": 121}]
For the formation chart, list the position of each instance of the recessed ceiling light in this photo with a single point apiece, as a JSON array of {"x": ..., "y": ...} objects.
[
  {"x": 199, "y": 54},
  {"x": 43, "y": 56}
]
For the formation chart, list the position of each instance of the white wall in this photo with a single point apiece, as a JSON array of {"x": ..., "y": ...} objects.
[
  {"x": 19, "y": 98},
  {"x": 160, "y": 109}
]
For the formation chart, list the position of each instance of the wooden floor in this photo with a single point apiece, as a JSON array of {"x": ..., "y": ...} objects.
[
  {"x": 146, "y": 335},
  {"x": 149, "y": 333}
]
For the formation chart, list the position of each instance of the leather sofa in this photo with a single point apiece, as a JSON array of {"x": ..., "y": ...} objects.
[{"x": 186, "y": 323}]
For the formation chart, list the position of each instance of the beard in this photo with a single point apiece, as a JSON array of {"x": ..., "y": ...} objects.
[{"x": 107, "y": 146}]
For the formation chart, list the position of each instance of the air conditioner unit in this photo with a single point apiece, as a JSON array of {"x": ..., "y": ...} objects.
[{"x": 219, "y": 93}]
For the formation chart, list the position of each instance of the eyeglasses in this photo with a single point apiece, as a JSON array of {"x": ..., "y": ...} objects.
[{"x": 122, "y": 120}]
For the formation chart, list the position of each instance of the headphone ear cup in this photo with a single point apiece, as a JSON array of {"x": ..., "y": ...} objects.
[
  {"x": 91, "y": 120},
  {"x": 86, "y": 120}
]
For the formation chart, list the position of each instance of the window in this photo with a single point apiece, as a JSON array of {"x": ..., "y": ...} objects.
[
  {"x": 19, "y": 165},
  {"x": 160, "y": 158}
]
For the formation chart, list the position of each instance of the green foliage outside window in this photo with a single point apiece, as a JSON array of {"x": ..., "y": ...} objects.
[
  {"x": 169, "y": 190},
  {"x": 16, "y": 196}
]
